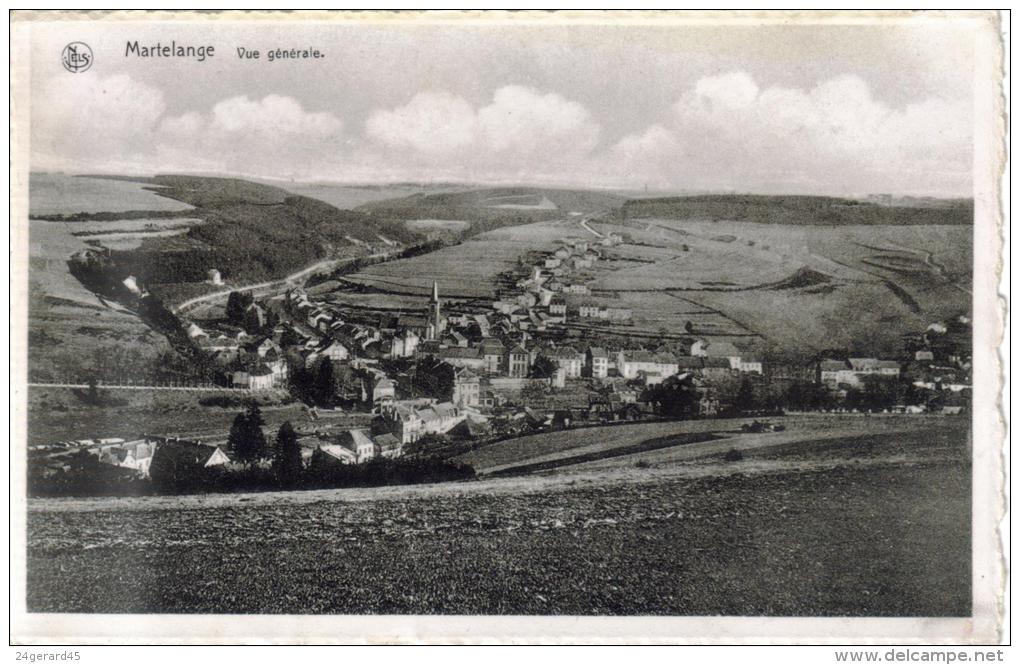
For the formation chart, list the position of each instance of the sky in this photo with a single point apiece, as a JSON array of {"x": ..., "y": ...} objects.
[{"x": 780, "y": 108}]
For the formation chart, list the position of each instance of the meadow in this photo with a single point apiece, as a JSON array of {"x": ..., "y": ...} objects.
[
  {"x": 468, "y": 269},
  {"x": 61, "y": 194},
  {"x": 804, "y": 288},
  {"x": 873, "y": 526}
]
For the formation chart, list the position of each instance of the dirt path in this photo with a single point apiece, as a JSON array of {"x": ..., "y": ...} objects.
[{"x": 289, "y": 280}]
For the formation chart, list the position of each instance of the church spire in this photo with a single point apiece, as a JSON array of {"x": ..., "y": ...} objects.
[{"x": 435, "y": 291}]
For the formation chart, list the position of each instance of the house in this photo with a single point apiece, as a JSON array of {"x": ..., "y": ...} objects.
[
  {"x": 873, "y": 366},
  {"x": 716, "y": 368},
  {"x": 720, "y": 349},
  {"x": 557, "y": 307},
  {"x": 383, "y": 391},
  {"x": 260, "y": 377},
  {"x": 630, "y": 363},
  {"x": 194, "y": 332},
  {"x": 597, "y": 362},
  {"x": 750, "y": 365},
  {"x": 331, "y": 456},
  {"x": 463, "y": 357},
  {"x": 492, "y": 351},
  {"x": 580, "y": 289},
  {"x": 404, "y": 344},
  {"x": 358, "y": 441},
  {"x": 263, "y": 346},
  {"x": 466, "y": 388},
  {"x": 568, "y": 359},
  {"x": 334, "y": 350},
  {"x": 835, "y": 372},
  {"x": 214, "y": 277},
  {"x": 388, "y": 446},
  {"x": 277, "y": 364},
  {"x": 184, "y": 456},
  {"x": 439, "y": 418},
  {"x": 924, "y": 354},
  {"x": 518, "y": 361},
  {"x": 455, "y": 338}
]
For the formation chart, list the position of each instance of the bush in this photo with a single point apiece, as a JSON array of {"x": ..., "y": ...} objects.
[{"x": 733, "y": 455}]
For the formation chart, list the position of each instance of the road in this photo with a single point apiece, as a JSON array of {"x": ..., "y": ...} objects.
[
  {"x": 584, "y": 224},
  {"x": 289, "y": 280}
]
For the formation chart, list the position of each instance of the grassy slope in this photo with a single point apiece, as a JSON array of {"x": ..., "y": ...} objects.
[
  {"x": 811, "y": 210},
  {"x": 481, "y": 206},
  {"x": 254, "y": 232},
  {"x": 881, "y": 539}
]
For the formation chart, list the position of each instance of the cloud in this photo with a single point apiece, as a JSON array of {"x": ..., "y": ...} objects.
[
  {"x": 273, "y": 136},
  {"x": 119, "y": 123},
  {"x": 520, "y": 129},
  {"x": 432, "y": 122},
  {"x": 88, "y": 119},
  {"x": 727, "y": 132}
]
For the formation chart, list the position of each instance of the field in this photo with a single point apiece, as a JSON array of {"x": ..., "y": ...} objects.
[
  {"x": 804, "y": 288},
  {"x": 466, "y": 270},
  {"x": 851, "y": 526},
  {"x": 59, "y": 194},
  {"x": 67, "y": 324}
]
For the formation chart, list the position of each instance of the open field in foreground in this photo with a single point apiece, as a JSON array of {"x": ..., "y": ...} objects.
[{"x": 812, "y": 533}]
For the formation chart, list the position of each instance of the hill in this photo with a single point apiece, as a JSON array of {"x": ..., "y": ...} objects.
[
  {"x": 250, "y": 232},
  {"x": 798, "y": 210},
  {"x": 488, "y": 209}
]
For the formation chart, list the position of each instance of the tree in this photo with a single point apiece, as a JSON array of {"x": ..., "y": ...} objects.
[
  {"x": 543, "y": 368},
  {"x": 252, "y": 320},
  {"x": 674, "y": 398},
  {"x": 325, "y": 382},
  {"x": 287, "y": 462},
  {"x": 745, "y": 401},
  {"x": 246, "y": 439},
  {"x": 237, "y": 303}
]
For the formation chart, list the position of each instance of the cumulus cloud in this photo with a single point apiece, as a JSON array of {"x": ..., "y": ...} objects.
[
  {"x": 432, "y": 122},
  {"x": 520, "y": 129},
  {"x": 727, "y": 132},
  {"x": 273, "y": 136},
  {"x": 117, "y": 122}
]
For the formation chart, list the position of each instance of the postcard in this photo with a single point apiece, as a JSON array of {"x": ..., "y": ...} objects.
[{"x": 516, "y": 327}]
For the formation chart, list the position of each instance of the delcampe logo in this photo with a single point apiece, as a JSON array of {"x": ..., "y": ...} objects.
[{"x": 77, "y": 57}]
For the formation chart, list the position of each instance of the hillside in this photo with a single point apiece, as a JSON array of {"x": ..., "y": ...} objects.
[
  {"x": 488, "y": 209},
  {"x": 797, "y": 210},
  {"x": 249, "y": 232}
]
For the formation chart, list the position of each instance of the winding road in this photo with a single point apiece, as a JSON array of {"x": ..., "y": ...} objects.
[{"x": 289, "y": 280}]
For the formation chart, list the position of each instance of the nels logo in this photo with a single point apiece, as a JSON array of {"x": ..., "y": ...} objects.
[{"x": 77, "y": 57}]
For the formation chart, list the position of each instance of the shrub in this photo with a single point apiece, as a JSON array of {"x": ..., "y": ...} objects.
[{"x": 733, "y": 455}]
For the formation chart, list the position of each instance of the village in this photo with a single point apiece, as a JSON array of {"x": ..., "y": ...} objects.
[{"x": 435, "y": 383}]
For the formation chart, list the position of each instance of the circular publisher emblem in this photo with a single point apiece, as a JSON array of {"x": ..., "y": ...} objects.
[{"x": 77, "y": 57}]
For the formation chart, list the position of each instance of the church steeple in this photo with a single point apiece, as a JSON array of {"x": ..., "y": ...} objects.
[{"x": 436, "y": 323}]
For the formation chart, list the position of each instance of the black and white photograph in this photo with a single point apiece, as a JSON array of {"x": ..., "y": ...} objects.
[{"x": 686, "y": 317}]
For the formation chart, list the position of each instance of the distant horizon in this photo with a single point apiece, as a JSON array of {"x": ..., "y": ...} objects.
[{"x": 481, "y": 184}]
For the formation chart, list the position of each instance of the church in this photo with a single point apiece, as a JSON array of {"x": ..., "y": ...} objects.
[{"x": 436, "y": 321}]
